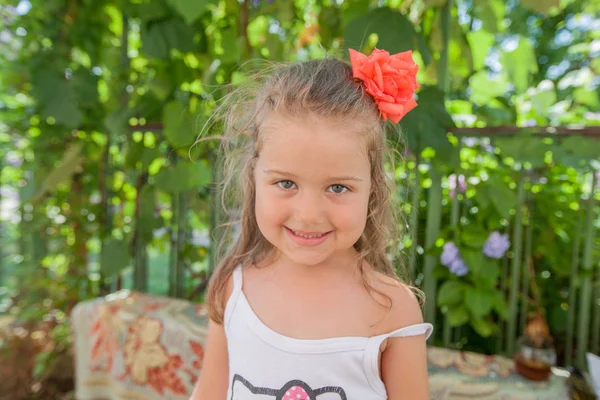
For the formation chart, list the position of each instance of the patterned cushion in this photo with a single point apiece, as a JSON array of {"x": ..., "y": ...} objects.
[{"x": 136, "y": 346}]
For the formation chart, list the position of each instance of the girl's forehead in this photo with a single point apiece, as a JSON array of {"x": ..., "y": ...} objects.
[{"x": 313, "y": 145}]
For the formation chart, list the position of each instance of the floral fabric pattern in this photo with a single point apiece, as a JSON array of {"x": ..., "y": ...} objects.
[
  {"x": 136, "y": 346},
  {"x": 140, "y": 347}
]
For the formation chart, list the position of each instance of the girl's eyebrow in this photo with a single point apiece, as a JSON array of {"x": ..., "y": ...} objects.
[{"x": 334, "y": 178}]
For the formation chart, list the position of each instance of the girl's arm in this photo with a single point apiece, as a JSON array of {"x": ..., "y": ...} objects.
[
  {"x": 404, "y": 359},
  {"x": 214, "y": 378},
  {"x": 404, "y": 368},
  {"x": 214, "y": 373}
]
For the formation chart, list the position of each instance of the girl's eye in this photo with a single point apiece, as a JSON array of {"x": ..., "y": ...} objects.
[
  {"x": 287, "y": 185},
  {"x": 338, "y": 189}
]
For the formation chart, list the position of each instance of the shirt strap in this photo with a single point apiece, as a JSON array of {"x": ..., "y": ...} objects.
[
  {"x": 371, "y": 361},
  {"x": 411, "y": 330},
  {"x": 238, "y": 280}
]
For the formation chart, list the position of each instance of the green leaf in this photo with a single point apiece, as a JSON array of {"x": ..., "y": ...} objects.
[
  {"x": 70, "y": 161},
  {"x": 500, "y": 305},
  {"x": 56, "y": 97},
  {"x": 117, "y": 121},
  {"x": 521, "y": 63},
  {"x": 473, "y": 236},
  {"x": 147, "y": 221},
  {"x": 496, "y": 112},
  {"x": 501, "y": 196},
  {"x": 543, "y": 97},
  {"x": 543, "y": 6},
  {"x": 482, "y": 326},
  {"x": 474, "y": 259},
  {"x": 581, "y": 147},
  {"x": 451, "y": 293},
  {"x": 479, "y": 301},
  {"x": 191, "y": 10},
  {"x": 180, "y": 127},
  {"x": 159, "y": 37},
  {"x": 491, "y": 12},
  {"x": 42, "y": 364},
  {"x": 524, "y": 149},
  {"x": 230, "y": 44},
  {"x": 588, "y": 97},
  {"x": 428, "y": 125},
  {"x": 457, "y": 315},
  {"x": 484, "y": 87},
  {"x": 114, "y": 257},
  {"x": 487, "y": 277},
  {"x": 459, "y": 54},
  {"x": 396, "y": 33},
  {"x": 330, "y": 23},
  {"x": 354, "y": 9},
  {"x": 183, "y": 176},
  {"x": 435, "y": 3},
  {"x": 152, "y": 10},
  {"x": 481, "y": 42},
  {"x": 85, "y": 85}
]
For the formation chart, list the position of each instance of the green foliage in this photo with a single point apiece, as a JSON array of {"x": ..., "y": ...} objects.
[{"x": 103, "y": 99}]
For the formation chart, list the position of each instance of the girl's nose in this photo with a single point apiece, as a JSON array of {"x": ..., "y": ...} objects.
[{"x": 309, "y": 209}]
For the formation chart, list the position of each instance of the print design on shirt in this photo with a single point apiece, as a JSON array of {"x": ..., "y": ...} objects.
[{"x": 293, "y": 390}]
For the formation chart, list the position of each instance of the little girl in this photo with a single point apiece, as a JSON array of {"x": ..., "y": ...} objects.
[{"x": 306, "y": 304}]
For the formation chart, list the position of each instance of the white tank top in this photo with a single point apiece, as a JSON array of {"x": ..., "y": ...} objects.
[{"x": 265, "y": 365}]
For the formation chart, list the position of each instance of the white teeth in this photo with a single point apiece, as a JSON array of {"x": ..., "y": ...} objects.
[{"x": 308, "y": 236}]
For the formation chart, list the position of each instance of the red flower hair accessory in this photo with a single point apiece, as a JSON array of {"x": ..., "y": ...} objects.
[{"x": 390, "y": 79}]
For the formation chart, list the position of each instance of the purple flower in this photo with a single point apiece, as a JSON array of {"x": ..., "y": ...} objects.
[
  {"x": 449, "y": 254},
  {"x": 496, "y": 245},
  {"x": 13, "y": 159},
  {"x": 458, "y": 267},
  {"x": 451, "y": 258},
  {"x": 452, "y": 184}
]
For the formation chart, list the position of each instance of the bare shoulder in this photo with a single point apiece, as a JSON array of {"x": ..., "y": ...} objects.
[{"x": 401, "y": 303}]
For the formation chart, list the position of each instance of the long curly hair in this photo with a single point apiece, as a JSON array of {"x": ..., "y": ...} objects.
[{"x": 322, "y": 88}]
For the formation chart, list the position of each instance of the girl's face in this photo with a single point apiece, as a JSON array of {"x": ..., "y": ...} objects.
[{"x": 313, "y": 181}]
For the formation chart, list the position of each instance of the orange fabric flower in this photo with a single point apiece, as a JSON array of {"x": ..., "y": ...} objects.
[{"x": 390, "y": 79}]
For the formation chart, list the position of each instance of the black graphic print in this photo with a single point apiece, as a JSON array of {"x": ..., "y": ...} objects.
[{"x": 241, "y": 389}]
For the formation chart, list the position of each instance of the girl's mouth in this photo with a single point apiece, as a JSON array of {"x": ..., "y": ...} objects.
[{"x": 307, "y": 238}]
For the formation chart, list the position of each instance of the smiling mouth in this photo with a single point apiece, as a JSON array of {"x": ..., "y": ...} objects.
[{"x": 308, "y": 235}]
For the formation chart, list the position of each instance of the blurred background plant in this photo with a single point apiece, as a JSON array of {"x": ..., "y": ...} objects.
[{"x": 100, "y": 101}]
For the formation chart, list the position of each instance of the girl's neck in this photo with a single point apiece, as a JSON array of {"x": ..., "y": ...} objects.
[{"x": 334, "y": 266}]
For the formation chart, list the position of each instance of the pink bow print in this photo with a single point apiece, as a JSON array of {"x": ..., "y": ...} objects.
[{"x": 296, "y": 393}]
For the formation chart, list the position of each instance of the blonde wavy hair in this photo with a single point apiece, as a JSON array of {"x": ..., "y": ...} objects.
[{"x": 323, "y": 88}]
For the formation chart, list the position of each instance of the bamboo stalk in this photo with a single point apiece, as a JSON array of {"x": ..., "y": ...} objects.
[
  {"x": 140, "y": 273},
  {"x": 173, "y": 247},
  {"x": 434, "y": 215},
  {"x": 526, "y": 262},
  {"x": 181, "y": 235},
  {"x": 443, "y": 76},
  {"x": 585, "y": 301},
  {"x": 414, "y": 220},
  {"x": 511, "y": 336},
  {"x": 107, "y": 224},
  {"x": 573, "y": 290},
  {"x": 434, "y": 209},
  {"x": 503, "y": 285},
  {"x": 596, "y": 324},
  {"x": 2, "y": 230},
  {"x": 454, "y": 222}
]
